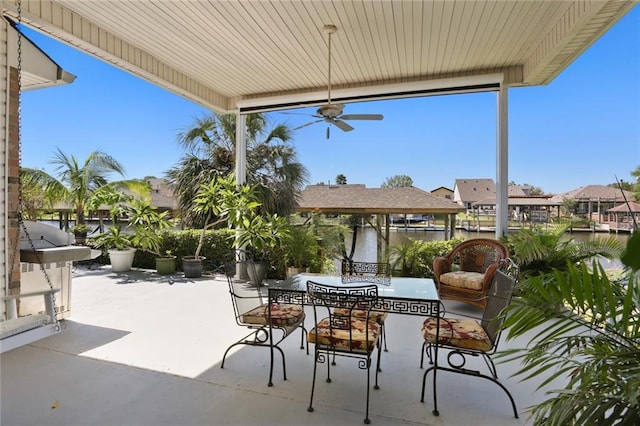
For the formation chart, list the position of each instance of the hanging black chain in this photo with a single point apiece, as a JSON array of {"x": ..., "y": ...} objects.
[{"x": 22, "y": 227}]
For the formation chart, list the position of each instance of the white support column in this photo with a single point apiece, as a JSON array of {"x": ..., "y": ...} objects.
[
  {"x": 502, "y": 162},
  {"x": 452, "y": 231},
  {"x": 447, "y": 227},
  {"x": 241, "y": 148},
  {"x": 241, "y": 166}
]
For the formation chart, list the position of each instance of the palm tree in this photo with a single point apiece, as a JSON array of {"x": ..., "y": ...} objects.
[
  {"x": 272, "y": 166},
  {"x": 76, "y": 182},
  {"x": 33, "y": 196}
]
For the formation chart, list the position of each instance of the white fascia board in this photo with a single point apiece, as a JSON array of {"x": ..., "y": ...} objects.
[
  {"x": 467, "y": 84},
  {"x": 38, "y": 69}
]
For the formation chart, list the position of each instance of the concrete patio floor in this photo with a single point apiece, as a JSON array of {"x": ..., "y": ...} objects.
[{"x": 139, "y": 349}]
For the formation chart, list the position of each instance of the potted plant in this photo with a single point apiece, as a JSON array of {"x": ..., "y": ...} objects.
[
  {"x": 147, "y": 225},
  {"x": 166, "y": 264},
  {"x": 117, "y": 242},
  {"x": 80, "y": 232},
  {"x": 119, "y": 245},
  {"x": 210, "y": 202},
  {"x": 301, "y": 251},
  {"x": 259, "y": 235},
  {"x": 225, "y": 200}
]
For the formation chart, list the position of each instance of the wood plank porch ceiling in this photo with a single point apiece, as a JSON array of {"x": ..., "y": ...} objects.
[{"x": 273, "y": 55}]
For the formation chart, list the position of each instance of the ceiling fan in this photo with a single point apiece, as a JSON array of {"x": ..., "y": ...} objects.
[{"x": 332, "y": 113}]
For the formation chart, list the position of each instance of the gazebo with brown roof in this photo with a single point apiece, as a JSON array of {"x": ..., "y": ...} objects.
[
  {"x": 358, "y": 199},
  {"x": 530, "y": 204},
  {"x": 626, "y": 215},
  {"x": 595, "y": 199}
]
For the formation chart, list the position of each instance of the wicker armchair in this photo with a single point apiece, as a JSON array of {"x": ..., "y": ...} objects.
[{"x": 466, "y": 273}]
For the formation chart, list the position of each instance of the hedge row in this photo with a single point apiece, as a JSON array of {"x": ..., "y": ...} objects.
[
  {"x": 413, "y": 258},
  {"x": 216, "y": 246}
]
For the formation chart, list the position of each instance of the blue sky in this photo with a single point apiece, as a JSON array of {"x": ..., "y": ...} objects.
[{"x": 581, "y": 129}]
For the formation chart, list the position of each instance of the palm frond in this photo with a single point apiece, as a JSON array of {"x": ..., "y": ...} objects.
[{"x": 582, "y": 328}]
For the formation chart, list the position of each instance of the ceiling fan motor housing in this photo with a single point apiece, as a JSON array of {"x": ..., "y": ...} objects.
[{"x": 330, "y": 110}]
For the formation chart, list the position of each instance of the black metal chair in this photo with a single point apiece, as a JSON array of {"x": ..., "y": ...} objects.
[
  {"x": 252, "y": 311},
  {"x": 468, "y": 337},
  {"x": 343, "y": 334},
  {"x": 356, "y": 271},
  {"x": 369, "y": 272}
]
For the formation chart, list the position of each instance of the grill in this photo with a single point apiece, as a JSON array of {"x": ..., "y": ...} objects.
[{"x": 54, "y": 251}]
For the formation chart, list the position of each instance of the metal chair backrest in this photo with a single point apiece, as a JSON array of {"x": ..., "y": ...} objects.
[
  {"x": 498, "y": 299},
  {"x": 373, "y": 272},
  {"x": 350, "y": 267},
  {"x": 245, "y": 295},
  {"x": 350, "y": 298}
]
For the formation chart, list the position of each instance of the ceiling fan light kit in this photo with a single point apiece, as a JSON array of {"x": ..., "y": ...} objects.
[{"x": 332, "y": 113}]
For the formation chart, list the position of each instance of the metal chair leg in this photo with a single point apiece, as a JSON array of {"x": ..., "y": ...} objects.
[
  {"x": 378, "y": 367},
  {"x": 435, "y": 398},
  {"x": 366, "y": 416},
  {"x": 303, "y": 339},
  {"x": 384, "y": 335},
  {"x": 426, "y": 348},
  {"x": 313, "y": 381}
]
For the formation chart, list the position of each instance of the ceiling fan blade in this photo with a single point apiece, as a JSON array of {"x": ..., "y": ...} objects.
[
  {"x": 308, "y": 124},
  {"x": 342, "y": 125},
  {"x": 361, "y": 117}
]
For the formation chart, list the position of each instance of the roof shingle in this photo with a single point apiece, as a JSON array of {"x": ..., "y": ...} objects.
[{"x": 355, "y": 198}]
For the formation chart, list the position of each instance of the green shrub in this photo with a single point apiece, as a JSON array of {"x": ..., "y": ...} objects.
[
  {"x": 414, "y": 258},
  {"x": 216, "y": 246},
  {"x": 538, "y": 251}
]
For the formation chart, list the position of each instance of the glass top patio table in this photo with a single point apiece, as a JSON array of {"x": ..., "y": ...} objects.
[{"x": 400, "y": 295}]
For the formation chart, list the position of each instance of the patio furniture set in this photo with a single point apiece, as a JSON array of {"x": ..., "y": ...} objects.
[{"x": 349, "y": 312}]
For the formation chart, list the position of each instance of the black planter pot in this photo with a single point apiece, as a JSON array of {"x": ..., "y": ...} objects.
[
  {"x": 81, "y": 237},
  {"x": 192, "y": 266}
]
